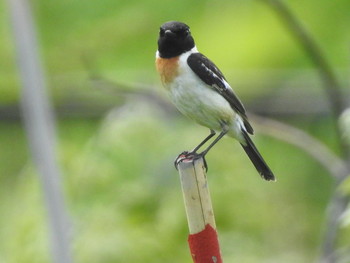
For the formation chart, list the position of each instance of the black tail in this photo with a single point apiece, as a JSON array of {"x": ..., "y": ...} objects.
[{"x": 257, "y": 159}]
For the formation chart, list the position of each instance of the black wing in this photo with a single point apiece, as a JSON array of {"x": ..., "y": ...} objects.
[{"x": 211, "y": 75}]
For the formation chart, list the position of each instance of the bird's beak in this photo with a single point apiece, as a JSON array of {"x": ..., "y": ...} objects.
[{"x": 169, "y": 33}]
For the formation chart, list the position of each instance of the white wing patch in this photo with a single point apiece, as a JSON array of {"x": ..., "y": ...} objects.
[{"x": 220, "y": 88}]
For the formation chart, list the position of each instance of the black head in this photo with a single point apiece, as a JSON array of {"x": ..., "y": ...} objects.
[{"x": 174, "y": 39}]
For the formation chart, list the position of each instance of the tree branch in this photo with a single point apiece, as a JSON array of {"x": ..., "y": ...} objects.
[
  {"x": 339, "y": 202},
  {"x": 331, "y": 85},
  {"x": 316, "y": 149}
]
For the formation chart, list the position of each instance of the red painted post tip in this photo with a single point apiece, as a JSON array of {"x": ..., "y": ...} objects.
[{"x": 204, "y": 246}]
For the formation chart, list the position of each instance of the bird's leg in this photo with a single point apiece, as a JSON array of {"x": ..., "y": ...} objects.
[
  {"x": 189, "y": 155},
  {"x": 222, "y": 134},
  {"x": 194, "y": 155},
  {"x": 212, "y": 133}
]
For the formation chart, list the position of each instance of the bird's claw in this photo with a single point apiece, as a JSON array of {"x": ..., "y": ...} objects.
[
  {"x": 188, "y": 156},
  {"x": 180, "y": 158}
]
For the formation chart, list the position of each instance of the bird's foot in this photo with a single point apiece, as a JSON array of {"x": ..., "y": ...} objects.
[{"x": 190, "y": 156}]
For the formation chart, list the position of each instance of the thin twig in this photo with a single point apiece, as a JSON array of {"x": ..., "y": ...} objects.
[
  {"x": 331, "y": 85},
  {"x": 336, "y": 208},
  {"x": 315, "y": 148},
  {"x": 338, "y": 202}
]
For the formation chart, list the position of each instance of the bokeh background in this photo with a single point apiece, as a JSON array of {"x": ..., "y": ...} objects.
[{"x": 118, "y": 134}]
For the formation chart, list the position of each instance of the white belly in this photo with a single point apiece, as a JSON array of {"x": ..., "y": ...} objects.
[{"x": 201, "y": 103}]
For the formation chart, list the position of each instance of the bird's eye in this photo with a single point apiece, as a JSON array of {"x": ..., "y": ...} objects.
[
  {"x": 161, "y": 32},
  {"x": 184, "y": 33},
  {"x": 187, "y": 32}
]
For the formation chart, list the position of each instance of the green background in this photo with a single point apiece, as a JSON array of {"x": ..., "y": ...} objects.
[{"x": 116, "y": 149}]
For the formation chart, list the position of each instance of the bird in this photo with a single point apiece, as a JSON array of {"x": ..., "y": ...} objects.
[{"x": 200, "y": 91}]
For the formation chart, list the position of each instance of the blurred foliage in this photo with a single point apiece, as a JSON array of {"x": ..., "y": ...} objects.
[
  {"x": 120, "y": 38},
  {"x": 121, "y": 187},
  {"x": 122, "y": 212}
]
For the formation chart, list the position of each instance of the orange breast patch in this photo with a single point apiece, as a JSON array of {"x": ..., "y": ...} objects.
[{"x": 167, "y": 68}]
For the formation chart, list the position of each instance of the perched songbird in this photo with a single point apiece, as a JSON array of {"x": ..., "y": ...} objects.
[{"x": 200, "y": 91}]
